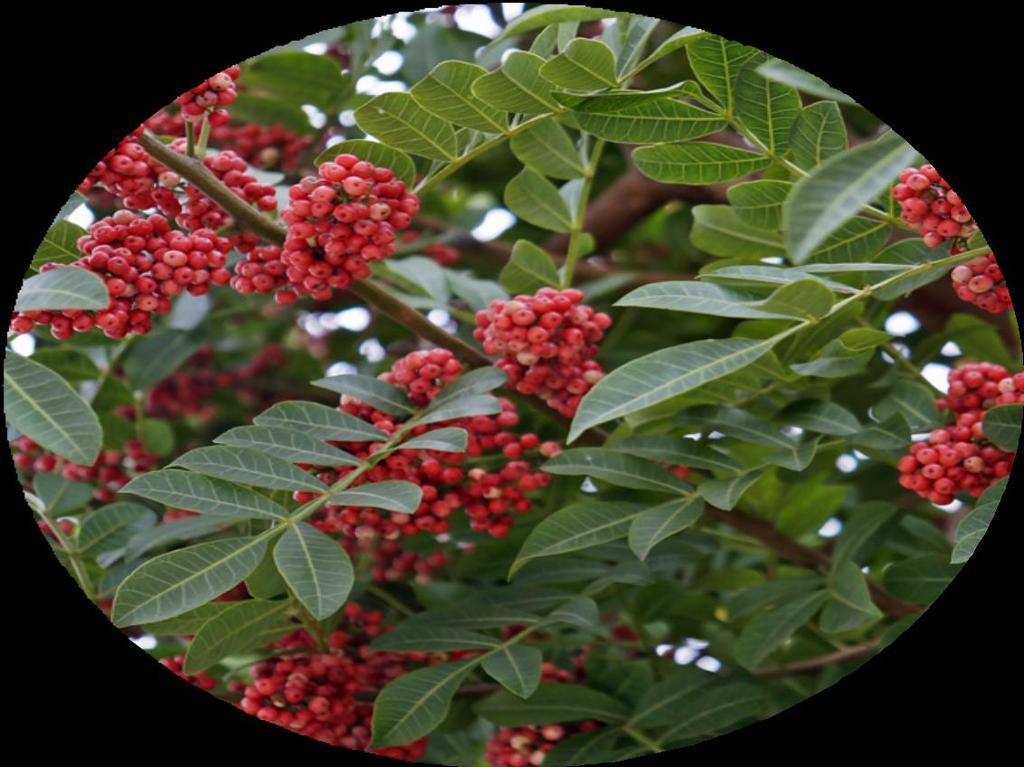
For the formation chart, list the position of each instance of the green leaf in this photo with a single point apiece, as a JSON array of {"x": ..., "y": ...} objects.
[
  {"x": 759, "y": 203},
  {"x": 151, "y": 359},
  {"x": 65, "y": 288},
  {"x": 59, "y": 495},
  {"x": 462, "y": 407},
  {"x": 696, "y": 298},
  {"x": 859, "y": 529},
  {"x": 615, "y": 467},
  {"x": 891, "y": 434},
  {"x": 546, "y": 148},
  {"x": 516, "y": 668},
  {"x": 1002, "y": 426},
  {"x": 767, "y": 631},
  {"x": 42, "y": 406},
  {"x": 591, "y": 747},
  {"x": 649, "y": 122},
  {"x": 618, "y": 99},
  {"x": 390, "y": 494},
  {"x": 789, "y": 74},
  {"x": 971, "y": 530},
  {"x": 585, "y": 65},
  {"x": 717, "y": 63},
  {"x": 718, "y": 230},
  {"x": 372, "y": 391},
  {"x": 112, "y": 526},
  {"x": 475, "y": 382},
  {"x": 315, "y": 567},
  {"x": 920, "y": 580},
  {"x": 477, "y": 293},
  {"x": 546, "y": 14},
  {"x": 175, "y": 582},
  {"x": 320, "y": 421},
  {"x": 581, "y": 612},
  {"x": 59, "y": 245},
  {"x": 856, "y": 240},
  {"x": 536, "y": 200},
  {"x": 373, "y": 152},
  {"x": 415, "y": 703},
  {"x": 189, "y": 622},
  {"x": 529, "y": 269},
  {"x": 579, "y": 526},
  {"x": 241, "y": 627},
  {"x": 822, "y": 416},
  {"x": 195, "y": 492},
  {"x": 448, "y": 440},
  {"x": 698, "y": 163},
  {"x": 425, "y": 274},
  {"x": 715, "y": 709},
  {"x": 156, "y": 435},
  {"x": 184, "y": 529},
  {"x": 654, "y": 525},
  {"x": 266, "y": 582},
  {"x": 288, "y": 444},
  {"x": 657, "y": 706},
  {"x": 396, "y": 119},
  {"x": 638, "y": 31},
  {"x": 767, "y": 109},
  {"x": 726, "y": 493},
  {"x": 426, "y": 639},
  {"x": 70, "y": 364},
  {"x": 678, "y": 40},
  {"x": 268, "y": 111},
  {"x": 552, "y": 703},
  {"x": 805, "y": 299},
  {"x": 818, "y": 134},
  {"x": 683, "y": 452},
  {"x": 486, "y": 614},
  {"x": 913, "y": 401},
  {"x": 768, "y": 594},
  {"x": 298, "y": 77},
  {"x": 448, "y": 92},
  {"x": 248, "y": 466},
  {"x": 834, "y": 192},
  {"x": 517, "y": 87},
  {"x": 850, "y": 605},
  {"x": 738, "y": 423}
]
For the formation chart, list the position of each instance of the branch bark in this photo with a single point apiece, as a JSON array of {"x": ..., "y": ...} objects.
[{"x": 813, "y": 664}]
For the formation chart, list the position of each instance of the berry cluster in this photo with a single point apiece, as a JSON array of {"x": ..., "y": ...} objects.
[
  {"x": 136, "y": 180},
  {"x": 548, "y": 342},
  {"x": 958, "y": 457},
  {"x": 341, "y": 221},
  {"x": 931, "y": 207},
  {"x": 390, "y": 563},
  {"x": 528, "y": 746},
  {"x": 111, "y": 471},
  {"x": 144, "y": 263},
  {"x": 209, "y": 98},
  {"x": 175, "y": 664},
  {"x": 316, "y": 694},
  {"x": 488, "y": 497},
  {"x": 980, "y": 282}
]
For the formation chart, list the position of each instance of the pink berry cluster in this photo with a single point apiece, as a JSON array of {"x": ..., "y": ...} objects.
[
  {"x": 489, "y": 497},
  {"x": 111, "y": 471},
  {"x": 316, "y": 694},
  {"x": 136, "y": 180},
  {"x": 980, "y": 282},
  {"x": 931, "y": 207},
  {"x": 548, "y": 342},
  {"x": 341, "y": 221},
  {"x": 175, "y": 664},
  {"x": 144, "y": 263},
  {"x": 209, "y": 98},
  {"x": 959, "y": 457}
]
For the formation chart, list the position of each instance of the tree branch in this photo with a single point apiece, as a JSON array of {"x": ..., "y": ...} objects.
[{"x": 813, "y": 664}]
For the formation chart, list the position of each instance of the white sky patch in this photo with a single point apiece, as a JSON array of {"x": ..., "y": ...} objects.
[
  {"x": 318, "y": 49},
  {"x": 372, "y": 349},
  {"x": 347, "y": 118},
  {"x": 663, "y": 649},
  {"x": 25, "y": 344},
  {"x": 846, "y": 463},
  {"x": 511, "y": 10},
  {"x": 696, "y": 644},
  {"x": 374, "y": 86},
  {"x": 950, "y": 349},
  {"x": 389, "y": 62},
  {"x": 860, "y": 456},
  {"x": 684, "y": 655},
  {"x": 716, "y": 435},
  {"x": 831, "y": 528},
  {"x": 508, "y": 52},
  {"x": 341, "y": 369},
  {"x": 355, "y": 319},
  {"x": 865, "y": 569},
  {"x": 708, "y": 663},
  {"x": 901, "y": 324},
  {"x": 334, "y": 140},
  {"x": 146, "y": 641},
  {"x": 476, "y": 18},
  {"x": 401, "y": 28},
  {"x": 588, "y": 486},
  {"x": 495, "y": 223},
  {"x": 937, "y": 375},
  {"x": 792, "y": 431},
  {"x": 310, "y": 323},
  {"x": 316, "y": 118},
  {"x": 771, "y": 260},
  {"x": 438, "y": 317},
  {"x": 81, "y": 216},
  {"x": 695, "y": 436},
  {"x": 949, "y": 508}
]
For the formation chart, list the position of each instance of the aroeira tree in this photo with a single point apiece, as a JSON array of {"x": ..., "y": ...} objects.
[{"x": 558, "y": 396}]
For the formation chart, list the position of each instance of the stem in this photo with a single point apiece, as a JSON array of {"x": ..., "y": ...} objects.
[
  {"x": 190, "y": 139},
  {"x": 813, "y": 664},
  {"x": 74, "y": 558},
  {"x": 578, "y": 222},
  {"x": 642, "y": 739},
  {"x": 387, "y": 597},
  {"x": 204, "y": 136},
  {"x": 313, "y": 627},
  {"x": 119, "y": 350}
]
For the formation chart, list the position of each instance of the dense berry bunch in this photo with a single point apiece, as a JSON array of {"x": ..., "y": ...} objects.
[
  {"x": 111, "y": 471},
  {"x": 137, "y": 180},
  {"x": 980, "y": 282},
  {"x": 528, "y": 746},
  {"x": 489, "y": 497},
  {"x": 202, "y": 680},
  {"x": 144, "y": 263},
  {"x": 958, "y": 457},
  {"x": 316, "y": 694},
  {"x": 262, "y": 271},
  {"x": 210, "y": 97},
  {"x": 340, "y": 221},
  {"x": 390, "y": 562},
  {"x": 548, "y": 342},
  {"x": 931, "y": 207}
]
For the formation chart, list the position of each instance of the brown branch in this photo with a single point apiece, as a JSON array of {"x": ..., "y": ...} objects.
[{"x": 813, "y": 664}]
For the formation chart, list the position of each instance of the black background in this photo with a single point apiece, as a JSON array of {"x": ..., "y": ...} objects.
[{"x": 945, "y": 79}]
